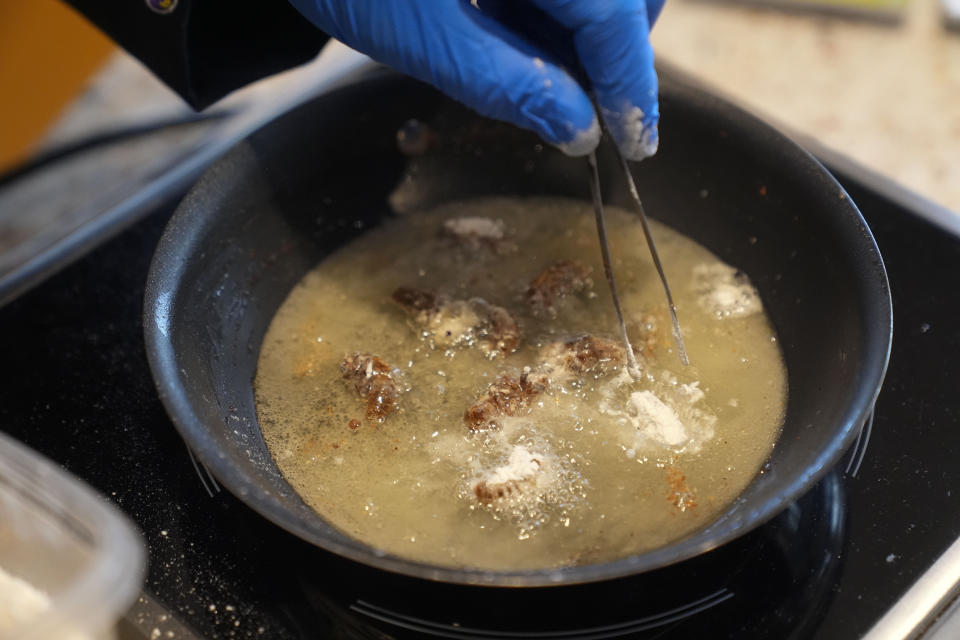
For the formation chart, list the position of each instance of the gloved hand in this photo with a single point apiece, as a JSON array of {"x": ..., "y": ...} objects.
[{"x": 470, "y": 55}]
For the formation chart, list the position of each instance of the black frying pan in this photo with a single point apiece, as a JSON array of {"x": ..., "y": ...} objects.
[{"x": 305, "y": 184}]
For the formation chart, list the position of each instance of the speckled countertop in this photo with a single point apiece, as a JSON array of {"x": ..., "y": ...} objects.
[{"x": 886, "y": 95}]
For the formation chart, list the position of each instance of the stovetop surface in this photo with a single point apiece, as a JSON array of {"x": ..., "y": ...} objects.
[{"x": 78, "y": 389}]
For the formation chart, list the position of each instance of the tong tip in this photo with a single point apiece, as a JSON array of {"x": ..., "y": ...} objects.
[{"x": 677, "y": 334}]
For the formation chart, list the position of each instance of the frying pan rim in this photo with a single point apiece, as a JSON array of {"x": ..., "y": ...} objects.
[{"x": 164, "y": 280}]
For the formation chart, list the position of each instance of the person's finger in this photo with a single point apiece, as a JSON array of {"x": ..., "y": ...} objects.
[
  {"x": 453, "y": 46},
  {"x": 612, "y": 41},
  {"x": 654, "y": 7}
]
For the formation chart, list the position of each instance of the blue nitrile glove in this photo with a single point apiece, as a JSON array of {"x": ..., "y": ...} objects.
[{"x": 469, "y": 54}]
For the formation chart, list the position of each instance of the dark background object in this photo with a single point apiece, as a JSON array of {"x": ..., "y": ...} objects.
[
  {"x": 271, "y": 209},
  {"x": 204, "y": 51}
]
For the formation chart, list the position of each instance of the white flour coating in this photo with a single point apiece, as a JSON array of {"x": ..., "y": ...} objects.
[
  {"x": 522, "y": 465},
  {"x": 656, "y": 420},
  {"x": 533, "y": 488},
  {"x": 20, "y": 602},
  {"x": 635, "y": 139},
  {"x": 725, "y": 292},
  {"x": 583, "y": 141},
  {"x": 667, "y": 416},
  {"x": 475, "y": 226}
]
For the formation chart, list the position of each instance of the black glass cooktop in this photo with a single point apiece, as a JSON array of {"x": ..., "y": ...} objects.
[{"x": 78, "y": 389}]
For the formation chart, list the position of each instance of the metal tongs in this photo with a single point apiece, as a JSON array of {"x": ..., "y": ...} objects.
[
  {"x": 550, "y": 36},
  {"x": 632, "y": 365}
]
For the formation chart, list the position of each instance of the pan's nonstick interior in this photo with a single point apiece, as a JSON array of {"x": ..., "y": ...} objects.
[{"x": 280, "y": 201}]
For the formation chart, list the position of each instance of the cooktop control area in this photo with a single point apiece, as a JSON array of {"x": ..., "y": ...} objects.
[{"x": 78, "y": 389}]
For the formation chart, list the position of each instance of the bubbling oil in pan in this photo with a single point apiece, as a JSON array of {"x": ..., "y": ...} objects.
[{"x": 449, "y": 388}]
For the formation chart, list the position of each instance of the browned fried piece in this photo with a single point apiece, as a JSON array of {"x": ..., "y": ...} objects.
[
  {"x": 487, "y": 492},
  {"x": 371, "y": 377},
  {"x": 499, "y": 328},
  {"x": 586, "y": 354},
  {"x": 507, "y": 396},
  {"x": 557, "y": 282},
  {"x": 460, "y": 322},
  {"x": 418, "y": 300},
  {"x": 511, "y": 479}
]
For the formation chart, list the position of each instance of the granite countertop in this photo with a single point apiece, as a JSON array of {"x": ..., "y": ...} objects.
[{"x": 886, "y": 95}]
